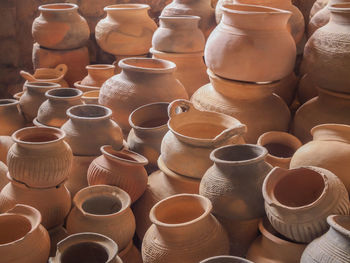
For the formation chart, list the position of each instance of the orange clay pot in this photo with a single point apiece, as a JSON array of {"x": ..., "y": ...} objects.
[{"x": 11, "y": 118}]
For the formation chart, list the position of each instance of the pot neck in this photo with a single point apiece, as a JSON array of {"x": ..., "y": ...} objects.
[
  {"x": 127, "y": 12},
  {"x": 331, "y": 132},
  {"x": 9, "y": 105},
  {"x": 270, "y": 3},
  {"x": 339, "y": 228},
  {"x": 179, "y": 22},
  {"x": 100, "y": 72},
  {"x": 189, "y": 2},
  {"x": 340, "y": 13},
  {"x": 59, "y": 11}
]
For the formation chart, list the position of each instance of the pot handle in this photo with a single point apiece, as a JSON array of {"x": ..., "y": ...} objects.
[
  {"x": 62, "y": 68},
  {"x": 27, "y": 76},
  {"x": 240, "y": 129},
  {"x": 180, "y": 106}
]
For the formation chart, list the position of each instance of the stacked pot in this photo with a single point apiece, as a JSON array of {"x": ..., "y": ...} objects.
[{"x": 60, "y": 35}]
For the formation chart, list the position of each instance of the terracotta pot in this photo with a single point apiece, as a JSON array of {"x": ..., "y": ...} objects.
[
  {"x": 90, "y": 97},
  {"x": 124, "y": 169},
  {"x": 5, "y": 144},
  {"x": 329, "y": 149},
  {"x": 53, "y": 203},
  {"x": 271, "y": 247},
  {"x": 55, "y": 75},
  {"x": 40, "y": 158},
  {"x": 23, "y": 237},
  {"x": 85, "y": 121},
  {"x": 56, "y": 235},
  {"x": 328, "y": 45},
  {"x": 130, "y": 254},
  {"x": 161, "y": 184},
  {"x": 86, "y": 247},
  {"x": 296, "y": 23},
  {"x": 3, "y": 171},
  {"x": 60, "y": 26},
  {"x": 201, "y": 8},
  {"x": 253, "y": 104},
  {"x": 178, "y": 34},
  {"x": 190, "y": 68},
  {"x": 52, "y": 112},
  {"x": 121, "y": 57},
  {"x": 306, "y": 89},
  {"x": 181, "y": 222},
  {"x": 33, "y": 97},
  {"x": 333, "y": 245},
  {"x": 225, "y": 259},
  {"x": 298, "y": 201},
  {"x": 18, "y": 95},
  {"x": 75, "y": 59},
  {"x": 280, "y": 146},
  {"x": 193, "y": 134},
  {"x": 11, "y": 118},
  {"x": 149, "y": 125},
  {"x": 141, "y": 81},
  {"x": 313, "y": 113},
  {"x": 237, "y": 169},
  {"x": 251, "y": 37},
  {"x": 126, "y": 30}
]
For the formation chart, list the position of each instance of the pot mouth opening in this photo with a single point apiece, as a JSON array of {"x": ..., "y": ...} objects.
[
  {"x": 340, "y": 8},
  {"x": 335, "y": 132},
  {"x": 100, "y": 67},
  {"x": 8, "y": 102},
  {"x": 89, "y": 111},
  {"x": 13, "y": 228},
  {"x": 299, "y": 188},
  {"x": 123, "y": 155},
  {"x": 122, "y": 7},
  {"x": 199, "y": 130},
  {"x": 91, "y": 252},
  {"x": 63, "y": 93},
  {"x": 102, "y": 205},
  {"x": 150, "y": 116},
  {"x": 251, "y": 9},
  {"x": 149, "y": 65},
  {"x": 341, "y": 223},
  {"x": 38, "y": 135},
  {"x": 43, "y": 85},
  {"x": 58, "y": 7}
]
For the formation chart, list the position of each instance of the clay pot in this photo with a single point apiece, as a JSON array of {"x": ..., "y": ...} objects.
[
  {"x": 10, "y": 117},
  {"x": 253, "y": 104},
  {"x": 280, "y": 146},
  {"x": 193, "y": 134},
  {"x": 329, "y": 149},
  {"x": 286, "y": 88},
  {"x": 251, "y": 37},
  {"x": 5, "y": 144},
  {"x": 23, "y": 238},
  {"x": 90, "y": 97},
  {"x": 55, "y": 75},
  {"x": 225, "y": 259},
  {"x": 105, "y": 210},
  {"x": 126, "y": 30},
  {"x": 334, "y": 245},
  {"x": 298, "y": 201},
  {"x": 141, "y": 81},
  {"x": 121, "y": 57},
  {"x": 85, "y": 122},
  {"x": 3, "y": 171},
  {"x": 60, "y": 26},
  {"x": 86, "y": 247},
  {"x": 53, "y": 203},
  {"x": 161, "y": 184},
  {"x": 306, "y": 89},
  {"x": 97, "y": 75},
  {"x": 33, "y": 97},
  {"x": 271, "y": 247},
  {"x": 181, "y": 222},
  {"x": 237, "y": 169},
  {"x": 328, "y": 45},
  {"x": 18, "y": 95},
  {"x": 178, "y": 34},
  {"x": 124, "y": 169},
  {"x": 52, "y": 112},
  {"x": 56, "y": 235},
  {"x": 314, "y": 112},
  {"x": 190, "y": 68},
  {"x": 130, "y": 254},
  {"x": 40, "y": 158},
  {"x": 75, "y": 59},
  {"x": 201, "y": 8}
]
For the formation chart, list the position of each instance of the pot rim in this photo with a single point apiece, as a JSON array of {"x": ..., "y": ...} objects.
[
  {"x": 100, "y": 66},
  {"x": 335, "y": 127},
  {"x": 42, "y": 85},
  {"x": 180, "y": 17},
  {"x": 78, "y": 94},
  {"x": 84, "y": 88},
  {"x": 235, "y": 258},
  {"x": 126, "y": 7},
  {"x": 58, "y": 132},
  {"x": 70, "y": 6},
  {"x": 11, "y": 102},
  {"x": 168, "y": 66},
  {"x": 176, "y": 55},
  {"x": 338, "y": 8},
  {"x": 107, "y": 115},
  {"x": 138, "y": 159},
  {"x": 331, "y": 220},
  {"x": 268, "y": 10}
]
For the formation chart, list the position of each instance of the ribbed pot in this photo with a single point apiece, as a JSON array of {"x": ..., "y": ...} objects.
[
  {"x": 40, "y": 157},
  {"x": 11, "y": 118},
  {"x": 298, "y": 201}
]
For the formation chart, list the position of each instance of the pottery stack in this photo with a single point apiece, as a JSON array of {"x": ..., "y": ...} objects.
[{"x": 60, "y": 34}]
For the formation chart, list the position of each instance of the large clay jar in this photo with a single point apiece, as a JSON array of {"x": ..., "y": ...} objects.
[
  {"x": 11, "y": 118},
  {"x": 149, "y": 125},
  {"x": 90, "y": 97},
  {"x": 86, "y": 247},
  {"x": 333, "y": 246},
  {"x": 89, "y": 127},
  {"x": 272, "y": 247},
  {"x": 52, "y": 112},
  {"x": 60, "y": 26},
  {"x": 97, "y": 75},
  {"x": 313, "y": 113},
  {"x": 280, "y": 146},
  {"x": 253, "y": 104},
  {"x": 298, "y": 201},
  {"x": 53, "y": 203},
  {"x": 105, "y": 210},
  {"x": 251, "y": 43},
  {"x": 124, "y": 169},
  {"x": 126, "y": 30},
  {"x": 225, "y": 259},
  {"x": 178, "y": 34},
  {"x": 237, "y": 169},
  {"x": 23, "y": 238},
  {"x": 33, "y": 97},
  {"x": 201, "y": 8},
  {"x": 193, "y": 134},
  {"x": 329, "y": 149},
  {"x": 141, "y": 81},
  {"x": 330, "y": 45},
  {"x": 40, "y": 158},
  {"x": 183, "y": 230}
]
